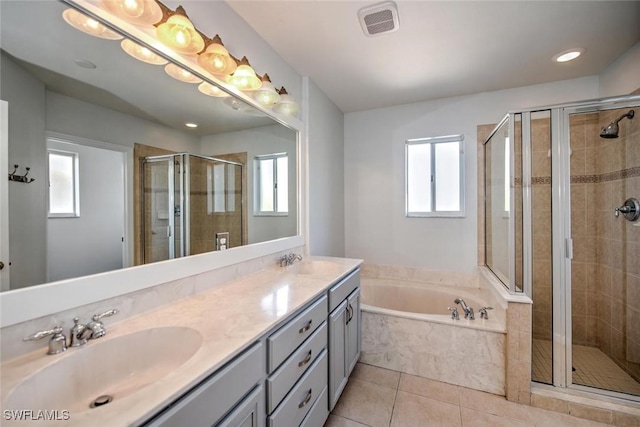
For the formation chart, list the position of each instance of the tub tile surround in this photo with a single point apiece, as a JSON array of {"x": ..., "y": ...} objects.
[
  {"x": 440, "y": 350},
  {"x": 229, "y": 317},
  {"x": 455, "y": 355},
  {"x": 416, "y": 401},
  {"x": 135, "y": 303}
]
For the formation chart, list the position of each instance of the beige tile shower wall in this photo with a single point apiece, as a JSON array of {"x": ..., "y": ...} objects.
[
  {"x": 584, "y": 137},
  {"x": 617, "y": 165}
]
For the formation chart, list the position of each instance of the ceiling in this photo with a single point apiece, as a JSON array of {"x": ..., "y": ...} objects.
[{"x": 442, "y": 48}]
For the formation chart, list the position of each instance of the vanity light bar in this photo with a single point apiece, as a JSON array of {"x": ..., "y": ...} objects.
[{"x": 175, "y": 30}]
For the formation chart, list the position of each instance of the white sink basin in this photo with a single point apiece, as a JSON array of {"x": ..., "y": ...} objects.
[
  {"x": 316, "y": 268},
  {"x": 115, "y": 366}
]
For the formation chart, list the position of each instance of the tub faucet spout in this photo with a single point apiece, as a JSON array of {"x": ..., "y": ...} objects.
[{"x": 468, "y": 311}]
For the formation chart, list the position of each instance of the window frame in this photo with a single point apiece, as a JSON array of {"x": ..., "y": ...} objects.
[
  {"x": 76, "y": 184},
  {"x": 257, "y": 184},
  {"x": 433, "y": 141}
]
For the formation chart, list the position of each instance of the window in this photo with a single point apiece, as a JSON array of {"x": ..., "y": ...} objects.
[
  {"x": 64, "y": 200},
  {"x": 434, "y": 176},
  {"x": 272, "y": 183}
]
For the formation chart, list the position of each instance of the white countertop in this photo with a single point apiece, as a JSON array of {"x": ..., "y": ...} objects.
[{"x": 229, "y": 318}]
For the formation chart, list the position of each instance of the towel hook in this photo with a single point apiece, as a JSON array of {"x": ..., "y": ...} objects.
[{"x": 20, "y": 178}]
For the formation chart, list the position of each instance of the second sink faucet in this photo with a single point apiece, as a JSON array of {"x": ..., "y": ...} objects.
[
  {"x": 468, "y": 311},
  {"x": 95, "y": 328},
  {"x": 287, "y": 260}
]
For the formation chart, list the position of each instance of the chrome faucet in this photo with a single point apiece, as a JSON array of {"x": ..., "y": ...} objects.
[
  {"x": 484, "y": 314},
  {"x": 468, "y": 311},
  {"x": 95, "y": 328},
  {"x": 57, "y": 343},
  {"x": 287, "y": 260},
  {"x": 454, "y": 313}
]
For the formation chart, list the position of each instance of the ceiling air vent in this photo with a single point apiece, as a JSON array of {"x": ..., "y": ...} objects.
[{"x": 379, "y": 18}]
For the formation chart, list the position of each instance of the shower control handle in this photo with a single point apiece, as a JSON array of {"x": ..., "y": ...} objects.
[{"x": 630, "y": 209}]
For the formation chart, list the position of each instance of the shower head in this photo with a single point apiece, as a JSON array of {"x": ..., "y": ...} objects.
[{"x": 611, "y": 131}]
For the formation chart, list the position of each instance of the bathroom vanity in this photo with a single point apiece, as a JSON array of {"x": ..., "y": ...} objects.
[{"x": 271, "y": 349}]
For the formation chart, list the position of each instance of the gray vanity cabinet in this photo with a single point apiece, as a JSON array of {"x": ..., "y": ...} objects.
[
  {"x": 234, "y": 387},
  {"x": 344, "y": 333}
]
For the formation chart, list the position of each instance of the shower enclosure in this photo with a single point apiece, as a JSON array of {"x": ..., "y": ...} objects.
[
  {"x": 562, "y": 226},
  {"x": 190, "y": 204}
]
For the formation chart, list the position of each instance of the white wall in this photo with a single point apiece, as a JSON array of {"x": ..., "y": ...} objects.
[
  {"x": 622, "y": 76},
  {"x": 376, "y": 228},
  {"x": 91, "y": 243},
  {"x": 255, "y": 142},
  {"x": 326, "y": 175},
  {"x": 27, "y": 202}
]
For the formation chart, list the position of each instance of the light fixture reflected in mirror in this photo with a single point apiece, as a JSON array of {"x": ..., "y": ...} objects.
[
  {"x": 216, "y": 58},
  {"x": 88, "y": 25},
  {"x": 178, "y": 33},
  {"x": 181, "y": 74},
  {"x": 142, "y": 53},
  {"x": 288, "y": 105},
  {"x": 244, "y": 78},
  {"x": 243, "y": 107},
  {"x": 211, "y": 90},
  {"x": 138, "y": 12},
  {"x": 267, "y": 96}
]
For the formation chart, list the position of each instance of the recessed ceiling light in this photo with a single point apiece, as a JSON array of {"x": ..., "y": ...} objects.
[
  {"x": 568, "y": 55},
  {"x": 191, "y": 125}
]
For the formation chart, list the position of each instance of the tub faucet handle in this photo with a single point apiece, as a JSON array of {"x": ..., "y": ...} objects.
[
  {"x": 454, "y": 313},
  {"x": 484, "y": 314}
]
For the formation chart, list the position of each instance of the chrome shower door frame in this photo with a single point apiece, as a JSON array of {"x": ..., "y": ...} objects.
[{"x": 562, "y": 243}]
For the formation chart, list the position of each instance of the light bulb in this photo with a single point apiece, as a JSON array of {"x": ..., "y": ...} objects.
[
  {"x": 179, "y": 34},
  {"x": 132, "y": 8},
  {"x": 141, "y": 53},
  {"x": 216, "y": 59},
  {"x": 181, "y": 74},
  {"x": 244, "y": 78},
  {"x": 288, "y": 105},
  {"x": 88, "y": 25},
  {"x": 266, "y": 95},
  {"x": 138, "y": 12},
  {"x": 211, "y": 90}
]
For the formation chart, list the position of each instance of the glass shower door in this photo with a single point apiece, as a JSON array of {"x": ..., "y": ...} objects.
[
  {"x": 163, "y": 202},
  {"x": 605, "y": 268}
]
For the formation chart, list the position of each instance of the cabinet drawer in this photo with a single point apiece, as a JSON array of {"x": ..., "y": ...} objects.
[
  {"x": 212, "y": 399},
  {"x": 298, "y": 402},
  {"x": 341, "y": 291},
  {"x": 318, "y": 413},
  {"x": 289, "y": 337},
  {"x": 279, "y": 384}
]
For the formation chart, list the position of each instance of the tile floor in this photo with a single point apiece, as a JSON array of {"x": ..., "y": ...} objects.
[
  {"x": 593, "y": 368},
  {"x": 376, "y": 397}
]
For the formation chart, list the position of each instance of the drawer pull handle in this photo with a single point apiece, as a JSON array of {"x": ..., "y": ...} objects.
[
  {"x": 305, "y": 361},
  {"x": 306, "y": 327},
  {"x": 306, "y": 400}
]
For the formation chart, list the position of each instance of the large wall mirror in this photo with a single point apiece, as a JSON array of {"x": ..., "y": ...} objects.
[{"x": 123, "y": 176}]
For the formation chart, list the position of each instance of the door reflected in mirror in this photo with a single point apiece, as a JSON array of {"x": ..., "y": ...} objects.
[{"x": 139, "y": 180}]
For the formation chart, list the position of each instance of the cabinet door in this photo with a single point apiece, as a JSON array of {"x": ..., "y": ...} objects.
[
  {"x": 248, "y": 413},
  {"x": 353, "y": 339},
  {"x": 337, "y": 353}
]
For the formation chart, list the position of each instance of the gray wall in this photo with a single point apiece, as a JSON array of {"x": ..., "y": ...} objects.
[
  {"x": 255, "y": 142},
  {"x": 27, "y": 202},
  {"x": 326, "y": 175},
  {"x": 82, "y": 119},
  {"x": 91, "y": 243},
  {"x": 376, "y": 227}
]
